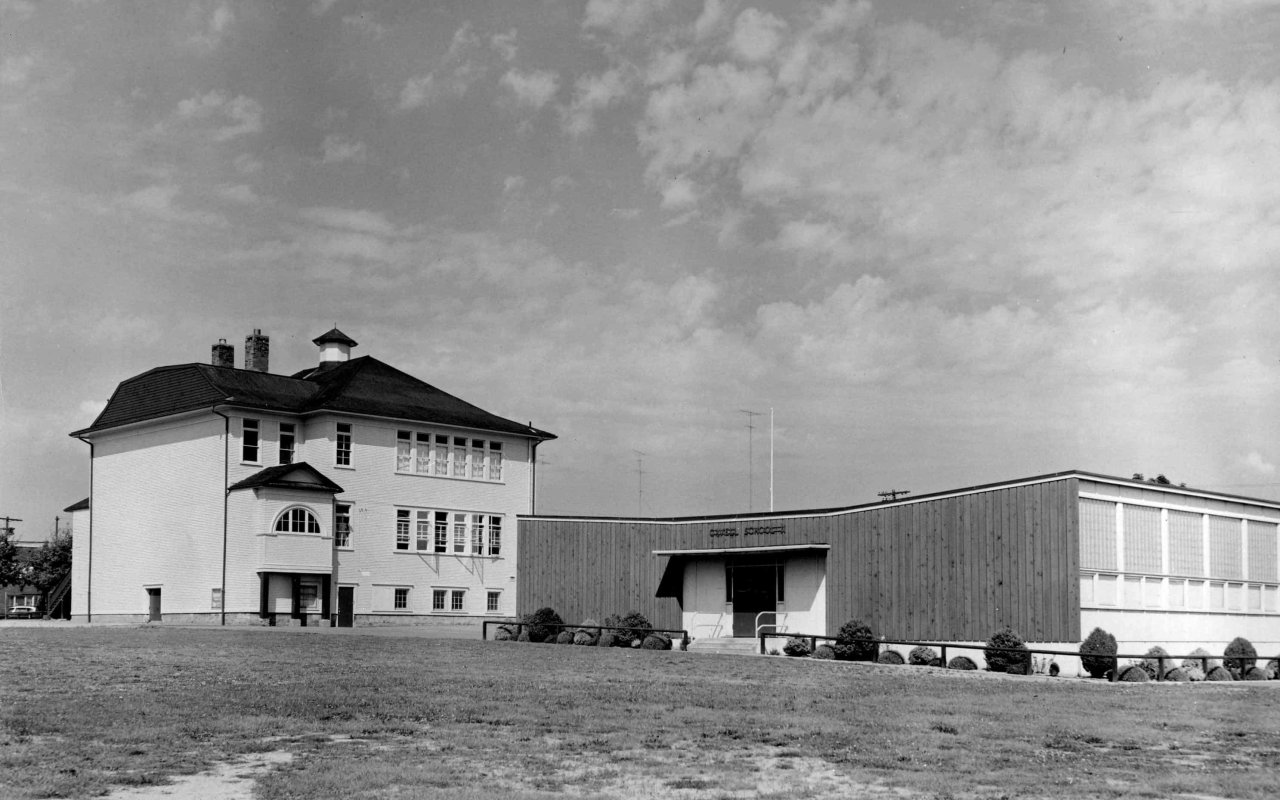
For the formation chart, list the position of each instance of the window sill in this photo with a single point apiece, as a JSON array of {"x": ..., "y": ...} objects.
[
  {"x": 464, "y": 479},
  {"x": 453, "y": 555},
  {"x": 343, "y": 466}
]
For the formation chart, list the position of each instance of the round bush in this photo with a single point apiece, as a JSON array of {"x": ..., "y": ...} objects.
[
  {"x": 890, "y": 657},
  {"x": 1195, "y": 661},
  {"x": 1239, "y": 657},
  {"x": 922, "y": 656},
  {"x": 1194, "y": 674},
  {"x": 1152, "y": 660},
  {"x": 607, "y": 639},
  {"x": 999, "y": 660},
  {"x": 1219, "y": 673},
  {"x": 542, "y": 624},
  {"x": 796, "y": 647},
  {"x": 1177, "y": 674},
  {"x": 1255, "y": 674},
  {"x": 587, "y": 633},
  {"x": 1273, "y": 669},
  {"x": 583, "y": 638},
  {"x": 962, "y": 662},
  {"x": 1134, "y": 673},
  {"x": 506, "y": 633},
  {"x": 656, "y": 641},
  {"x": 564, "y": 637},
  {"x": 523, "y": 637},
  {"x": 631, "y": 628},
  {"x": 824, "y": 652},
  {"x": 855, "y": 641},
  {"x": 1097, "y": 653}
]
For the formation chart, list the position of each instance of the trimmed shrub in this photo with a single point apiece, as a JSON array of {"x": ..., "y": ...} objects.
[
  {"x": 564, "y": 637},
  {"x": 962, "y": 662},
  {"x": 607, "y": 639},
  {"x": 506, "y": 633},
  {"x": 999, "y": 661},
  {"x": 1134, "y": 673},
  {"x": 523, "y": 637},
  {"x": 539, "y": 624},
  {"x": 656, "y": 641},
  {"x": 855, "y": 641},
  {"x": 1255, "y": 674},
  {"x": 1194, "y": 661},
  {"x": 632, "y": 628},
  {"x": 1239, "y": 657},
  {"x": 583, "y": 638},
  {"x": 1151, "y": 661},
  {"x": 796, "y": 647},
  {"x": 1177, "y": 674},
  {"x": 587, "y": 634},
  {"x": 1219, "y": 673},
  {"x": 1194, "y": 674},
  {"x": 1097, "y": 653},
  {"x": 1273, "y": 669},
  {"x": 890, "y": 657},
  {"x": 923, "y": 657},
  {"x": 824, "y": 652}
]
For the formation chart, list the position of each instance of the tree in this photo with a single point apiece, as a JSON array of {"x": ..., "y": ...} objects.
[
  {"x": 52, "y": 562},
  {"x": 10, "y": 566}
]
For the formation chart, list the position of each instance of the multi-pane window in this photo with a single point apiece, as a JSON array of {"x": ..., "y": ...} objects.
[
  {"x": 216, "y": 603},
  {"x": 1224, "y": 548},
  {"x": 1141, "y": 539},
  {"x": 288, "y": 436},
  {"x": 1097, "y": 534},
  {"x": 1262, "y": 551},
  {"x": 342, "y": 525},
  {"x": 297, "y": 520},
  {"x": 342, "y": 449},
  {"x": 401, "y": 600},
  {"x": 457, "y": 532},
  {"x": 456, "y": 600},
  {"x": 421, "y": 453},
  {"x": 437, "y": 599},
  {"x": 1186, "y": 543},
  {"x": 249, "y": 440},
  {"x": 309, "y": 597},
  {"x": 491, "y": 602},
  {"x": 402, "y": 529}
]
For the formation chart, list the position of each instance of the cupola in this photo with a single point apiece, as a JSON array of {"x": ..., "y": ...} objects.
[{"x": 335, "y": 346}]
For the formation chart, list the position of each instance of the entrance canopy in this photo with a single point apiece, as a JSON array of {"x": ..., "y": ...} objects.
[{"x": 672, "y": 581}]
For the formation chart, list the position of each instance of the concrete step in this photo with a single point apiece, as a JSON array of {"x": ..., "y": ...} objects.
[{"x": 742, "y": 647}]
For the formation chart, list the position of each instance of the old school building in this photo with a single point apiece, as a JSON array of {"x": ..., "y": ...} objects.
[{"x": 346, "y": 490}]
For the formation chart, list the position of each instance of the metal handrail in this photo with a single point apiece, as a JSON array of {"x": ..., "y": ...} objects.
[
  {"x": 1028, "y": 651},
  {"x": 774, "y": 624}
]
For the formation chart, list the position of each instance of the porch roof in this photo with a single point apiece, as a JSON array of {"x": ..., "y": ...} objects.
[{"x": 715, "y": 551}]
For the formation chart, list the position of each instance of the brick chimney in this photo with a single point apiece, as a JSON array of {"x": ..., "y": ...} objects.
[
  {"x": 256, "y": 349},
  {"x": 224, "y": 355}
]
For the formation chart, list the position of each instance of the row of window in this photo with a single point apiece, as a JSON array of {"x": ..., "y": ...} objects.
[
  {"x": 453, "y": 600},
  {"x": 430, "y": 531},
  {"x": 1122, "y": 537},
  {"x": 417, "y": 452},
  {"x": 426, "y": 453},
  {"x": 1177, "y": 594}
]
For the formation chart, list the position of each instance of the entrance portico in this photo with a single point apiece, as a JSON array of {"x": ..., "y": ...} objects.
[{"x": 728, "y": 592}]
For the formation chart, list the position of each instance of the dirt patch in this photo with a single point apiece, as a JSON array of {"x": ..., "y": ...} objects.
[{"x": 231, "y": 781}]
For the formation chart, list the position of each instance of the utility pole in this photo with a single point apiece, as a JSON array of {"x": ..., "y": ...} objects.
[
  {"x": 7, "y": 526},
  {"x": 751, "y": 418},
  {"x": 892, "y": 494},
  {"x": 639, "y": 482},
  {"x": 770, "y": 459}
]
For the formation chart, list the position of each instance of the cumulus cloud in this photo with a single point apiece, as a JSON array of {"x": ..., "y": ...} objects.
[
  {"x": 621, "y": 17},
  {"x": 1255, "y": 462},
  {"x": 533, "y": 89},
  {"x": 338, "y": 149},
  {"x": 592, "y": 94},
  {"x": 239, "y": 115}
]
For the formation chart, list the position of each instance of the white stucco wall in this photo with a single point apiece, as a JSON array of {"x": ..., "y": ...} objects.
[{"x": 803, "y": 610}]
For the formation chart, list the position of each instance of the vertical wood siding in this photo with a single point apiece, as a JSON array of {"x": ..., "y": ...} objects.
[{"x": 956, "y": 568}]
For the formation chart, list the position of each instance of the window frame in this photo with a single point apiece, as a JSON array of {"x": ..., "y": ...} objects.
[
  {"x": 250, "y": 440},
  {"x": 289, "y": 453},
  {"x": 342, "y": 525},
  {"x": 343, "y": 441},
  {"x": 308, "y": 521},
  {"x": 492, "y": 600},
  {"x": 400, "y": 598}
]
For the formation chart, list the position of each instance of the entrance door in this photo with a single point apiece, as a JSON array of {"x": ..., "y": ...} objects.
[
  {"x": 755, "y": 589},
  {"x": 346, "y": 603},
  {"x": 153, "y": 598}
]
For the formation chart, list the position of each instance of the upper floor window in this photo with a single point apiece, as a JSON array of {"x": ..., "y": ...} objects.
[
  {"x": 249, "y": 441},
  {"x": 342, "y": 449},
  {"x": 456, "y": 532},
  {"x": 342, "y": 525},
  {"x": 423, "y": 453},
  {"x": 297, "y": 520},
  {"x": 287, "y": 437}
]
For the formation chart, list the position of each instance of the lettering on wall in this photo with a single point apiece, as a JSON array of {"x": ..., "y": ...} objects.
[{"x": 755, "y": 530}]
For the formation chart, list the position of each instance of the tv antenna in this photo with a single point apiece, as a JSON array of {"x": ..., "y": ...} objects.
[
  {"x": 639, "y": 482},
  {"x": 751, "y": 428}
]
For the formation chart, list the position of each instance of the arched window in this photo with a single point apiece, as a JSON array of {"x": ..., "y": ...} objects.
[{"x": 297, "y": 520}]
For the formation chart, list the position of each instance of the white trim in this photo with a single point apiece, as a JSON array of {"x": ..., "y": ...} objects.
[{"x": 782, "y": 548}]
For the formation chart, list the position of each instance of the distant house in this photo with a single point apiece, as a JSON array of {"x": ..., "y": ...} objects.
[
  {"x": 1052, "y": 556},
  {"x": 346, "y": 492},
  {"x": 22, "y": 595}
]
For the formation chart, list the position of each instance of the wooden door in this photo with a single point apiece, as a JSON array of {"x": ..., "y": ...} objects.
[
  {"x": 153, "y": 598},
  {"x": 346, "y": 606}
]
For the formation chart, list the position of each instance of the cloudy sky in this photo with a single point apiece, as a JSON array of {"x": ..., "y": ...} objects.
[{"x": 946, "y": 243}]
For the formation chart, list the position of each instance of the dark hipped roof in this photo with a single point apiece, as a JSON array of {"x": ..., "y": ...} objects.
[
  {"x": 364, "y": 386},
  {"x": 81, "y": 506},
  {"x": 334, "y": 335},
  {"x": 289, "y": 476}
]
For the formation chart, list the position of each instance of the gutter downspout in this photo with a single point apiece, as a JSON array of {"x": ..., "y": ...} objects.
[
  {"x": 533, "y": 476},
  {"x": 226, "y": 494},
  {"x": 88, "y": 589}
]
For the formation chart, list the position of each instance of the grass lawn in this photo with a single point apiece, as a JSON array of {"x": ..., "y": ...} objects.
[{"x": 84, "y": 711}]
